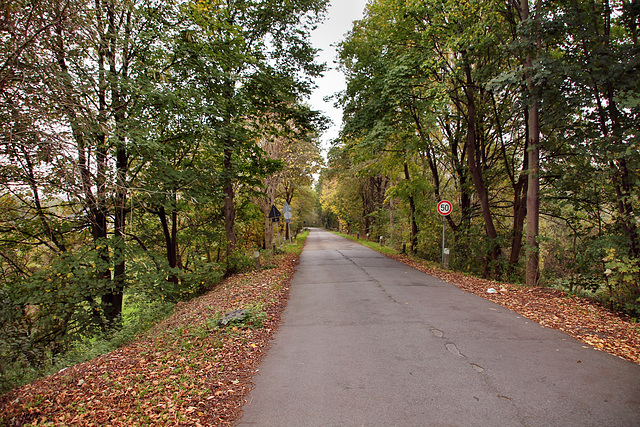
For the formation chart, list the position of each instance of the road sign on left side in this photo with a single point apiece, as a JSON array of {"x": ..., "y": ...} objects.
[{"x": 274, "y": 214}]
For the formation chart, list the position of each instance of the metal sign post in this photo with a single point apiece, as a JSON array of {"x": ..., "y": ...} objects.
[
  {"x": 444, "y": 209},
  {"x": 443, "y": 228},
  {"x": 287, "y": 217}
]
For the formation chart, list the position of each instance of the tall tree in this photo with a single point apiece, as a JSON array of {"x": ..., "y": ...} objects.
[
  {"x": 592, "y": 94},
  {"x": 254, "y": 49},
  {"x": 529, "y": 19},
  {"x": 293, "y": 144},
  {"x": 433, "y": 63}
]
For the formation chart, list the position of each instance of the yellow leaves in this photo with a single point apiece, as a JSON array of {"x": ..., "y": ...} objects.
[{"x": 594, "y": 341}]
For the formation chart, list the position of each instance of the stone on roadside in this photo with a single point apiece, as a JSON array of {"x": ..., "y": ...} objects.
[{"x": 233, "y": 316}]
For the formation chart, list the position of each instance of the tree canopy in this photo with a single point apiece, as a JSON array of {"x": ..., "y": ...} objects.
[
  {"x": 131, "y": 152},
  {"x": 523, "y": 114}
]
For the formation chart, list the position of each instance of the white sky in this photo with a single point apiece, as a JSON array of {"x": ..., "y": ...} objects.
[{"x": 340, "y": 17}]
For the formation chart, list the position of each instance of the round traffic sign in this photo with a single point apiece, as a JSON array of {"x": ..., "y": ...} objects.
[
  {"x": 444, "y": 207},
  {"x": 287, "y": 215}
]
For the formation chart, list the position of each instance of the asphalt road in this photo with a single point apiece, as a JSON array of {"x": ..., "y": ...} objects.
[{"x": 368, "y": 341}]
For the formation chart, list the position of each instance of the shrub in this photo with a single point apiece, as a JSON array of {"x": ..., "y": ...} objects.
[{"x": 623, "y": 281}]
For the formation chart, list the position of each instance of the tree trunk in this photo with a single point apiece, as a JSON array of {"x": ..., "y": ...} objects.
[
  {"x": 476, "y": 173},
  {"x": 268, "y": 224},
  {"x": 228, "y": 208},
  {"x": 412, "y": 213},
  {"x": 170, "y": 238},
  {"x": 95, "y": 204},
  {"x": 519, "y": 216},
  {"x": 112, "y": 300},
  {"x": 229, "y": 172},
  {"x": 533, "y": 198},
  {"x": 533, "y": 150},
  {"x": 392, "y": 225},
  {"x": 625, "y": 208}
]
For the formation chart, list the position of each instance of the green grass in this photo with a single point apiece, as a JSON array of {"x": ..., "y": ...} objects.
[
  {"x": 298, "y": 243},
  {"x": 387, "y": 250}
]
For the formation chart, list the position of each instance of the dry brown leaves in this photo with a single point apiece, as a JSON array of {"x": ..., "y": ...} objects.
[
  {"x": 186, "y": 371},
  {"x": 581, "y": 318}
]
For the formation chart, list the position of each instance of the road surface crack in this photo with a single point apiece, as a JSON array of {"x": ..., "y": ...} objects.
[{"x": 373, "y": 279}]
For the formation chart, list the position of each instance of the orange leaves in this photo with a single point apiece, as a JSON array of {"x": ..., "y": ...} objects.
[{"x": 185, "y": 372}]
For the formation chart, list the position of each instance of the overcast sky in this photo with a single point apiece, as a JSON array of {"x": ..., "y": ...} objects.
[{"x": 340, "y": 17}]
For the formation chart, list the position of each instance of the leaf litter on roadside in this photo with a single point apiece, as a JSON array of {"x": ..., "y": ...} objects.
[
  {"x": 185, "y": 371},
  {"x": 189, "y": 372}
]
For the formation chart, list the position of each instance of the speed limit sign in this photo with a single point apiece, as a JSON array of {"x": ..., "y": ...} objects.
[{"x": 444, "y": 207}]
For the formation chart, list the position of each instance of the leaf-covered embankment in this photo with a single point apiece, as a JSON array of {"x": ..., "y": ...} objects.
[{"x": 186, "y": 371}]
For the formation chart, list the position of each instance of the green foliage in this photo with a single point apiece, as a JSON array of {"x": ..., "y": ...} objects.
[
  {"x": 623, "y": 281},
  {"x": 621, "y": 269},
  {"x": 470, "y": 248},
  {"x": 239, "y": 261},
  {"x": 19, "y": 368},
  {"x": 44, "y": 313},
  {"x": 578, "y": 283},
  {"x": 117, "y": 157}
]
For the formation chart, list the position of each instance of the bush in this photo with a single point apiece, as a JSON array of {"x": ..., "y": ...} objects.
[
  {"x": 579, "y": 283},
  {"x": 623, "y": 281},
  {"x": 238, "y": 262}
]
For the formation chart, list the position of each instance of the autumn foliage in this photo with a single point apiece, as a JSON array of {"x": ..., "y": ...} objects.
[{"x": 186, "y": 371}]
